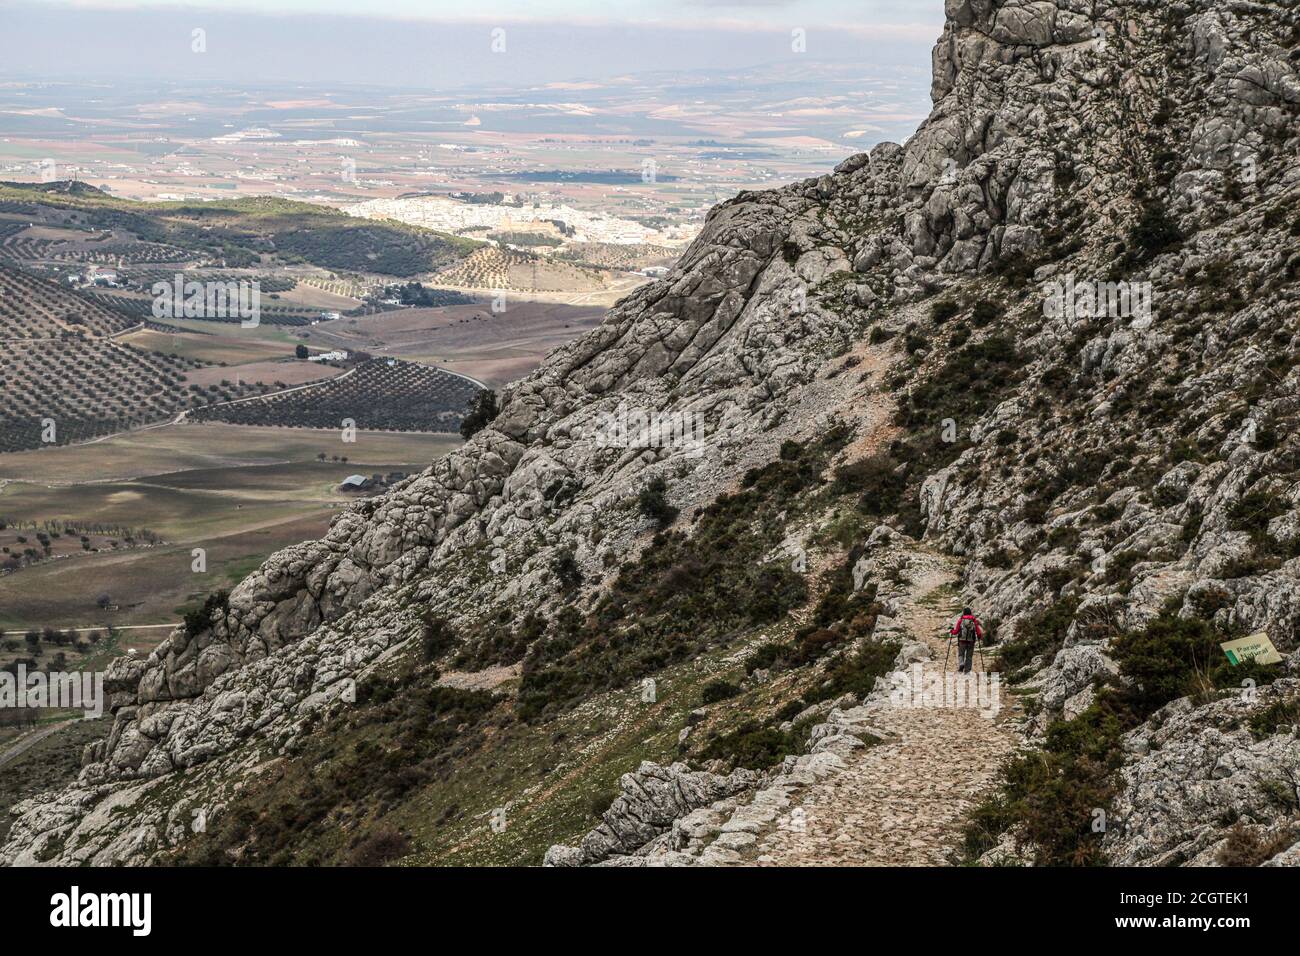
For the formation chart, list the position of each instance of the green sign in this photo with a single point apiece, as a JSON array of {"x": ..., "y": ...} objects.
[{"x": 1256, "y": 647}]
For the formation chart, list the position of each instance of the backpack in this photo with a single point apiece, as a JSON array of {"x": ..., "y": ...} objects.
[{"x": 966, "y": 632}]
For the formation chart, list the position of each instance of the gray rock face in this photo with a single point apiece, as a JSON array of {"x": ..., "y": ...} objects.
[
  {"x": 1119, "y": 443},
  {"x": 1072, "y": 670},
  {"x": 653, "y": 798},
  {"x": 1200, "y": 767}
]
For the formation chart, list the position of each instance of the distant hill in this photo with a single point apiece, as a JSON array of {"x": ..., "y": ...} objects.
[{"x": 246, "y": 232}]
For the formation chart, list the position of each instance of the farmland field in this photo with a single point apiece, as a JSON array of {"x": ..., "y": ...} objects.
[
  {"x": 151, "y": 586},
  {"x": 495, "y": 348},
  {"x": 282, "y": 373},
  {"x": 239, "y": 493},
  {"x": 65, "y": 376},
  {"x": 203, "y": 446},
  {"x": 199, "y": 434},
  {"x": 381, "y": 394},
  {"x": 175, "y": 515},
  {"x": 231, "y": 349}
]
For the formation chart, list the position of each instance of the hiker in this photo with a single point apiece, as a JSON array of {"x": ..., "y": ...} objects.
[{"x": 967, "y": 630}]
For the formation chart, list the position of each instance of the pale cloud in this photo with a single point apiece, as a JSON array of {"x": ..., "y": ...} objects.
[
  {"x": 668, "y": 12},
  {"x": 434, "y": 44}
]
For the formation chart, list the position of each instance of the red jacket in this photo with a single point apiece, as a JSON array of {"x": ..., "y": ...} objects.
[{"x": 956, "y": 628}]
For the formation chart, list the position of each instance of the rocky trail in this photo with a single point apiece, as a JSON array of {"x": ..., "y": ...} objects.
[{"x": 901, "y": 802}]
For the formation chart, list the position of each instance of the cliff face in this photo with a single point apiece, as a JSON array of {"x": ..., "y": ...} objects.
[{"x": 1149, "y": 147}]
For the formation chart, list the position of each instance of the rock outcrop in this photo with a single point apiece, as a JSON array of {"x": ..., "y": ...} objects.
[{"x": 652, "y": 799}]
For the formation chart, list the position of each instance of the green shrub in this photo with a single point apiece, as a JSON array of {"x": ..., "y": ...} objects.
[
  {"x": 1209, "y": 601},
  {"x": 998, "y": 558},
  {"x": 379, "y": 847},
  {"x": 685, "y": 593},
  {"x": 790, "y": 710},
  {"x": 1043, "y": 633},
  {"x": 499, "y": 642},
  {"x": 878, "y": 480},
  {"x": 970, "y": 382},
  {"x": 1050, "y": 796},
  {"x": 764, "y": 656},
  {"x": 1171, "y": 657},
  {"x": 398, "y": 737},
  {"x": 717, "y": 690},
  {"x": 856, "y": 673},
  {"x": 436, "y": 638},
  {"x": 201, "y": 618},
  {"x": 653, "y": 503},
  {"x": 1280, "y": 713},
  {"x": 757, "y": 747},
  {"x": 943, "y": 310},
  {"x": 1152, "y": 234},
  {"x": 566, "y": 570},
  {"x": 1252, "y": 513},
  {"x": 1120, "y": 567},
  {"x": 1064, "y": 537},
  {"x": 985, "y": 313},
  {"x": 482, "y": 411},
  {"x": 1185, "y": 449},
  {"x": 602, "y": 801},
  {"x": 1035, "y": 511}
]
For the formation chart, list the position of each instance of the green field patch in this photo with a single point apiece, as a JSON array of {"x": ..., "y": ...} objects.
[
  {"x": 218, "y": 349},
  {"x": 192, "y": 446},
  {"x": 146, "y": 586}
]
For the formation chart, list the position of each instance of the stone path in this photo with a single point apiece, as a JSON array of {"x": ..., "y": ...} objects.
[{"x": 901, "y": 802}]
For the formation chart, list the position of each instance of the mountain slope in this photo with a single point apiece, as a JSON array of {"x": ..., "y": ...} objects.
[{"x": 875, "y": 345}]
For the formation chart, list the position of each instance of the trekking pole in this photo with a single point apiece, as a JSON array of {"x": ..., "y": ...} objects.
[{"x": 946, "y": 652}]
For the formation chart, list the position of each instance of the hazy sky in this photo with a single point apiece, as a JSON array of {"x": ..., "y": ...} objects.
[
  {"x": 441, "y": 44},
  {"x": 922, "y": 13}
]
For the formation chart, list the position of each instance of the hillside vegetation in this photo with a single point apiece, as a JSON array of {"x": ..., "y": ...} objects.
[{"x": 246, "y": 232}]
